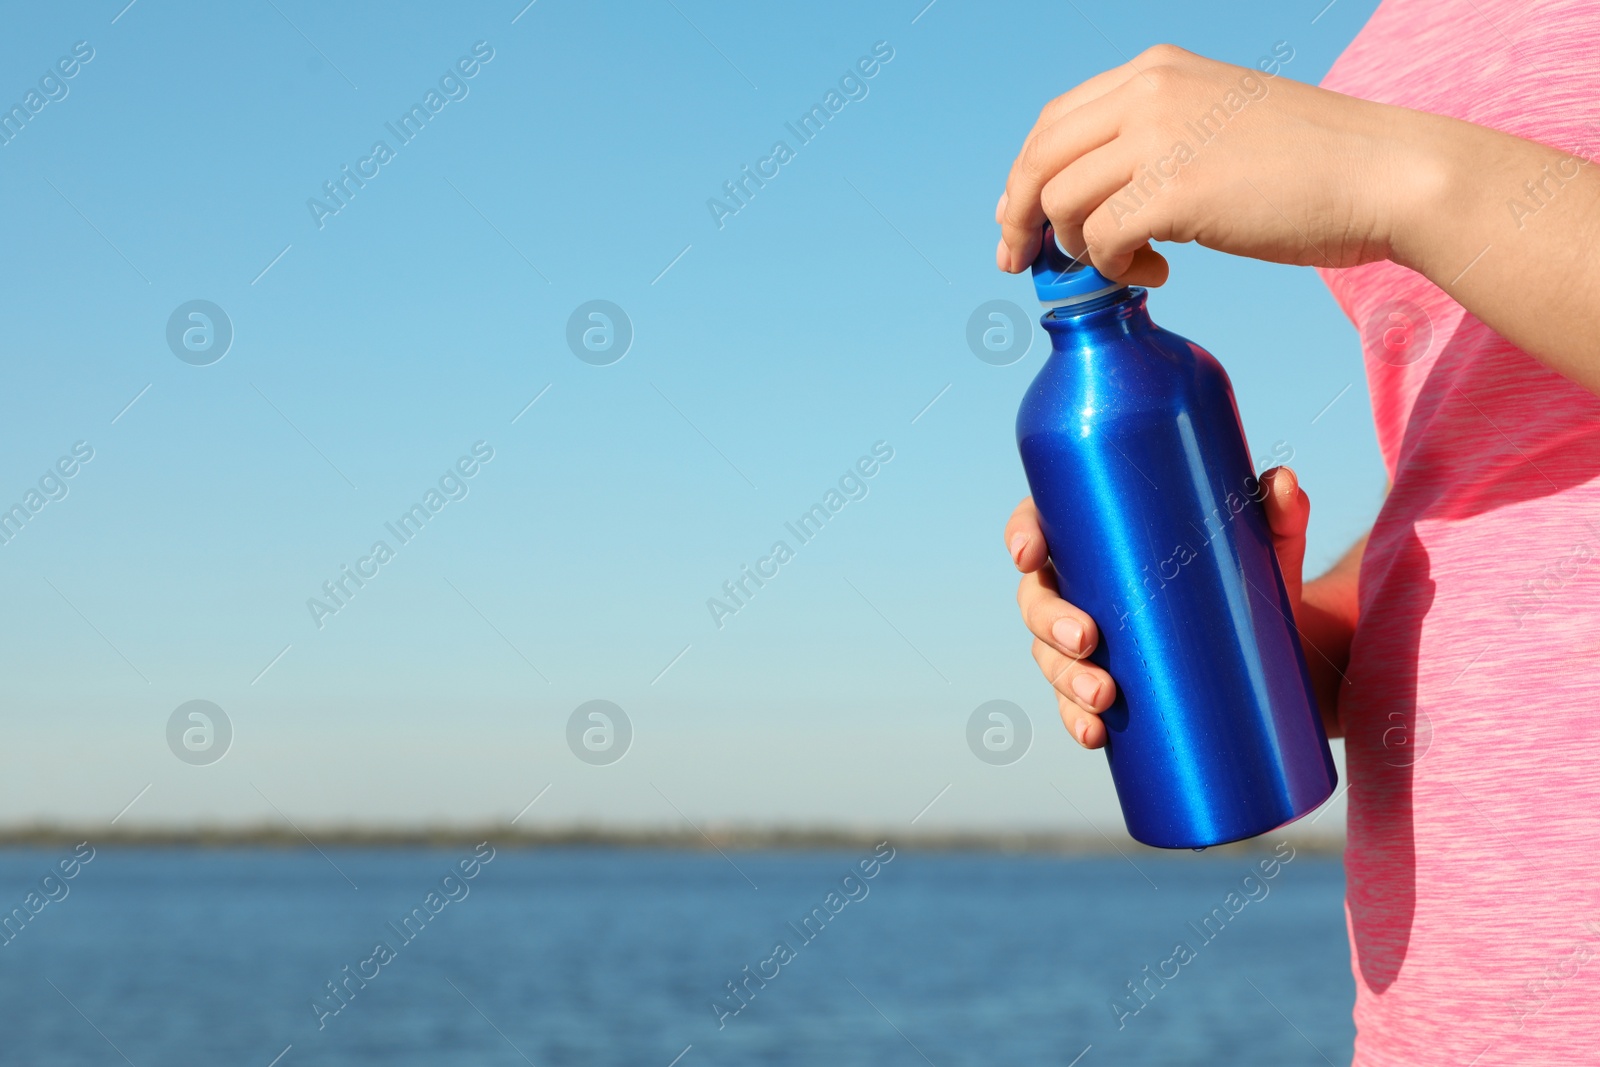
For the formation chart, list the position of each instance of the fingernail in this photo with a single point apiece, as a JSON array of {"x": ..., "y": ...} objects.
[
  {"x": 1086, "y": 687},
  {"x": 1018, "y": 543},
  {"x": 1069, "y": 635},
  {"x": 1082, "y": 732}
]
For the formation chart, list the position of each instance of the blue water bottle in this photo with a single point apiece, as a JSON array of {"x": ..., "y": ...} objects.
[{"x": 1138, "y": 464}]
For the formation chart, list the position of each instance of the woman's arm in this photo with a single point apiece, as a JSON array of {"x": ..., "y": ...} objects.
[
  {"x": 1325, "y": 608},
  {"x": 1327, "y": 623},
  {"x": 1176, "y": 147},
  {"x": 1511, "y": 230}
]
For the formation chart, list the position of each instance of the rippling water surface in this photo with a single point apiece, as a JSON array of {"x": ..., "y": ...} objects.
[{"x": 600, "y": 957}]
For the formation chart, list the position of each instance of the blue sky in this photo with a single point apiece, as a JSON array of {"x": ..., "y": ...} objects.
[{"x": 373, "y": 348}]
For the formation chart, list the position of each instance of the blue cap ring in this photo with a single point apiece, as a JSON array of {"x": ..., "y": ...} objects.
[{"x": 1061, "y": 281}]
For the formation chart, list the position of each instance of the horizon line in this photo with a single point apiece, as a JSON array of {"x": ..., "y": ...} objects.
[{"x": 739, "y": 837}]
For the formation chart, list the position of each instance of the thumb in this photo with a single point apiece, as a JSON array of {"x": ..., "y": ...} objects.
[{"x": 1288, "y": 512}]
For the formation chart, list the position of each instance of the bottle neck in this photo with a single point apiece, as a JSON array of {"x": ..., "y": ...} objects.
[{"x": 1123, "y": 310}]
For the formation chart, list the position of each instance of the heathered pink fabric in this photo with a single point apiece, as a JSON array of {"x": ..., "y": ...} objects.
[{"x": 1472, "y": 718}]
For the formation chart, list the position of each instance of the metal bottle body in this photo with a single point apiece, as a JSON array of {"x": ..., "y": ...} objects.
[{"x": 1137, "y": 460}]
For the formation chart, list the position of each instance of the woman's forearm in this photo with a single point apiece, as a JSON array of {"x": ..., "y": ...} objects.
[
  {"x": 1511, "y": 230},
  {"x": 1327, "y": 621}
]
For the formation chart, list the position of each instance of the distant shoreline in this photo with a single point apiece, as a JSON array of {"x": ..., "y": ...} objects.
[{"x": 742, "y": 839}]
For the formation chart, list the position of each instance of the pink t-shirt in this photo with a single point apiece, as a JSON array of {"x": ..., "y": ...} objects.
[{"x": 1472, "y": 717}]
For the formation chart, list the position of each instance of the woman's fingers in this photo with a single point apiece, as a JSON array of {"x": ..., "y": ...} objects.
[
  {"x": 1288, "y": 507},
  {"x": 1080, "y": 190},
  {"x": 1063, "y": 634},
  {"x": 1053, "y": 620},
  {"x": 1147, "y": 267},
  {"x": 1072, "y": 195},
  {"x": 1288, "y": 513},
  {"x": 1052, "y": 112},
  {"x": 1045, "y": 155},
  {"x": 1081, "y": 186},
  {"x": 1078, "y": 680},
  {"x": 1085, "y": 728},
  {"x": 1024, "y": 539},
  {"x": 1081, "y": 94}
]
